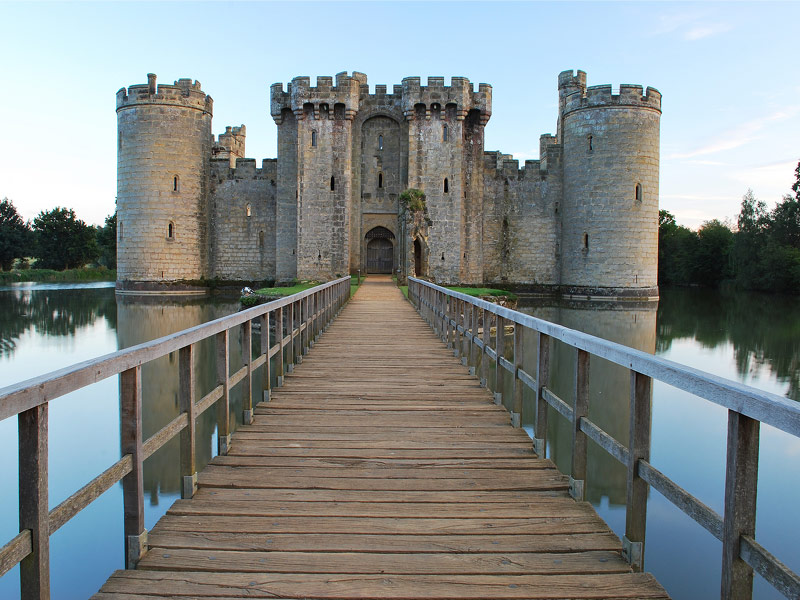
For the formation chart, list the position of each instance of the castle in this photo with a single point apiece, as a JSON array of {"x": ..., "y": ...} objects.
[{"x": 581, "y": 221}]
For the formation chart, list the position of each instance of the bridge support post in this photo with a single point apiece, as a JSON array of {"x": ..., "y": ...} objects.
[
  {"x": 33, "y": 502},
  {"x": 279, "y": 333},
  {"x": 266, "y": 380},
  {"x": 579, "y": 442},
  {"x": 542, "y": 381},
  {"x": 133, "y": 482},
  {"x": 499, "y": 369},
  {"x": 516, "y": 405},
  {"x": 224, "y": 403},
  {"x": 290, "y": 331},
  {"x": 741, "y": 481},
  {"x": 247, "y": 359},
  {"x": 487, "y": 336},
  {"x": 639, "y": 449},
  {"x": 186, "y": 397}
]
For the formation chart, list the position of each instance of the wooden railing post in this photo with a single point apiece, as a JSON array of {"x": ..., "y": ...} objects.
[
  {"x": 223, "y": 404},
  {"x": 473, "y": 330},
  {"x": 580, "y": 409},
  {"x": 266, "y": 379},
  {"x": 741, "y": 486},
  {"x": 516, "y": 405},
  {"x": 542, "y": 381},
  {"x": 500, "y": 349},
  {"x": 638, "y": 450},
  {"x": 487, "y": 336},
  {"x": 466, "y": 326},
  {"x": 247, "y": 358},
  {"x": 186, "y": 391},
  {"x": 279, "y": 334},
  {"x": 33, "y": 502},
  {"x": 130, "y": 382},
  {"x": 442, "y": 308},
  {"x": 290, "y": 331}
]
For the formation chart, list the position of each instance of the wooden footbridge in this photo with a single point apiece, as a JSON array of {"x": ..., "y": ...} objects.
[{"x": 381, "y": 468}]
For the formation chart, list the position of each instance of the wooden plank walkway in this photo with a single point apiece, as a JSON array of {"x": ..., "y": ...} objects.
[{"x": 381, "y": 469}]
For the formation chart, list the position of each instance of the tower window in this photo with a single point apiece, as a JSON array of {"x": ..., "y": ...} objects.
[
  {"x": 313, "y": 139},
  {"x": 171, "y": 231},
  {"x": 444, "y": 133},
  {"x": 333, "y": 183},
  {"x": 585, "y": 241},
  {"x": 638, "y": 192},
  {"x": 380, "y": 180},
  {"x": 261, "y": 240},
  {"x": 380, "y": 142},
  {"x": 446, "y": 186},
  {"x": 589, "y": 140},
  {"x": 119, "y": 229},
  {"x": 247, "y": 209},
  {"x": 175, "y": 183}
]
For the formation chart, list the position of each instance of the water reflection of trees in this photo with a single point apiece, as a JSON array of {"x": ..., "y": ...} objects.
[
  {"x": 52, "y": 312},
  {"x": 763, "y": 329}
]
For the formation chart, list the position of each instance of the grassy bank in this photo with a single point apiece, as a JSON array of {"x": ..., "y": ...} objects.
[
  {"x": 481, "y": 291},
  {"x": 271, "y": 293},
  {"x": 66, "y": 276}
]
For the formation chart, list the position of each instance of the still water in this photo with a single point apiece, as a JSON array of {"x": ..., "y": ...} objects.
[{"x": 750, "y": 338}]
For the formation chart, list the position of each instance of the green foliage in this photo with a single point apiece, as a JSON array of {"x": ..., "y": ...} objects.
[
  {"x": 49, "y": 275},
  {"x": 677, "y": 246},
  {"x": 15, "y": 235},
  {"x": 415, "y": 209},
  {"x": 63, "y": 241},
  {"x": 106, "y": 239}
]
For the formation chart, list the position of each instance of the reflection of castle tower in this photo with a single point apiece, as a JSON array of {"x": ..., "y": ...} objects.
[
  {"x": 144, "y": 319},
  {"x": 164, "y": 142},
  {"x": 609, "y": 387}
]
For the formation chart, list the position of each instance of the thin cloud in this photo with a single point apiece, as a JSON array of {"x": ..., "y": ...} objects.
[
  {"x": 704, "y": 31},
  {"x": 691, "y": 26}
]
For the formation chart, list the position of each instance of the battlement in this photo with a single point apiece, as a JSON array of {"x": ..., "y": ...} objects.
[
  {"x": 184, "y": 93},
  {"x": 633, "y": 96},
  {"x": 323, "y": 98},
  {"x": 243, "y": 169},
  {"x": 570, "y": 82},
  {"x": 436, "y": 94},
  {"x": 231, "y": 144}
]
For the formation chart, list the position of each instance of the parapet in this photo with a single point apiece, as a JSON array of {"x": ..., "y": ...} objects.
[
  {"x": 183, "y": 93},
  {"x": 632, "y": 96},
  {"x": 460, "y": 92},
  {"x": 231, "y": 144},
  {"x": 323, "y": 98}
]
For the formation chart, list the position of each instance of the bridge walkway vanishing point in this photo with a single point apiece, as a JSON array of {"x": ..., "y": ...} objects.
[{"x": 381, "y": 469}]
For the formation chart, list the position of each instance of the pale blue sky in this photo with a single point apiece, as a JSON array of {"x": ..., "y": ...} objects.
[{"x": 728, "y": 72}]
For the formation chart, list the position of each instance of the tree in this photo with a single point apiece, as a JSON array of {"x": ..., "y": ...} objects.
[
  {"x": 677, "y": 246},
  {"x": 62, "y": 240},
  {"x": 712, "y": 261},
  {"x": 416, "y": 210},
  {"x": 107, "y": 242},
  {"x": 15, "y": 235}
]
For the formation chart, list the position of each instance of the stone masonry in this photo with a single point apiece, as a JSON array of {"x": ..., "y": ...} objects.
[{"x": 581, "y": 221}]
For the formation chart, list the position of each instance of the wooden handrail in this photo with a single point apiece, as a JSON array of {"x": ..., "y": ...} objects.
[
  {"x": 452, "y": 315},
  {"x": 306, "y": 314}
]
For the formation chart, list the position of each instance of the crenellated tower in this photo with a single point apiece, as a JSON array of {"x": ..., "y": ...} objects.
[
  {"x": 609, "y": 213},
  {"x": 445, "y": 160},
  {"x": 164, "y": 141},
  {"x": 315, "y": 155}
]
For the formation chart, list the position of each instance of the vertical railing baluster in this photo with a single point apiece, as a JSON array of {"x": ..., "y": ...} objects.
[
  {"x": 130, "y": 382},
  {"x": 224, "y": 403},
  {"x": 279, "y": 372},
  {"x": 33, "y": 501},
  {"x": 516, "y": 404},
  {"x": 266, "y": 378},
  {"x": 290, "y": 331},
  {"x": 577, "y": 479},
  {"x": 542, "y": 381},
  {"x": 487, "y": 336},
  {"x": 500, "y": 349},
  {"x": 186, "y": 396},
  {"x": 466, "y": 325},
  {"x": 473, "y": 330},
  {"x": 638, "y": 450},
  {"x": 741, "y": 490},
  {"x": 247, "y": 355}
]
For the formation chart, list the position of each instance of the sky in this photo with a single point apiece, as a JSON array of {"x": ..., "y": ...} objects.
[{"x": 729, "y": 74}]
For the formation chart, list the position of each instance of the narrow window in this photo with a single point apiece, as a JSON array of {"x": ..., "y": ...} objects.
[
  {"x": 333, "y": 183},
  {"x": 248, "y": 210},
  {"x": 380, "y": 180},
  {"x": 261, "y": 239},
  {"x": 446, "y": 186},
  {"x": 638, "y": 192},
  {"x": 313, "y": 139},
  {"x": 589, "y": 139},
  {"x": 585, "y": 241},
  {"x": 120, "y": 229},
  {"x": 171, "y": 231},
  {"x": 380, "y": 142},
  {"x": 175, "y": 183},
  {"x": 444, "y": 133}
]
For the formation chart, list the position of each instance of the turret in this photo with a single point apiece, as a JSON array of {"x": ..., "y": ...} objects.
[
  {"x": 164, "y": 141},
  {"x": 610, "y": 177}
]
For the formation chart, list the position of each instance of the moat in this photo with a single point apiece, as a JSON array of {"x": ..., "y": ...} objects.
[{"x": 746, "y": 337}]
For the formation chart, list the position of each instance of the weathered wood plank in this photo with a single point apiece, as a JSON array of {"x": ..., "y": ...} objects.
[{"x": 14, "y": 551}]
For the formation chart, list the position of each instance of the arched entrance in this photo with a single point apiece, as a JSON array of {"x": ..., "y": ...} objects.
[{"x": 380, "y": 250}]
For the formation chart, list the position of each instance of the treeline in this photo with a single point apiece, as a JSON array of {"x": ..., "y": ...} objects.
[
  {"x": 56, "y": 239},
  {"x": 761, "y": 252}
]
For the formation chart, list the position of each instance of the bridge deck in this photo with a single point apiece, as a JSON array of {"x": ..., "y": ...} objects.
[{"x": 381, "y": 469}]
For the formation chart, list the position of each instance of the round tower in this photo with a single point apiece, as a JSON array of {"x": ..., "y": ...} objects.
[
  {"x": 164, "y": 144},
  {"x": 609, "y": 213}
]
